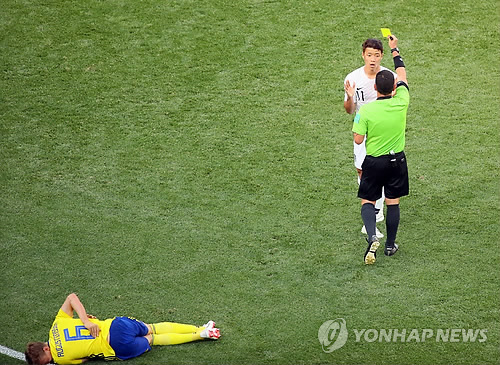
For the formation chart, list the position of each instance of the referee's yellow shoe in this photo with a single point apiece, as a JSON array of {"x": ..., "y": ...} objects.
[{"x": 371, "y": 250}]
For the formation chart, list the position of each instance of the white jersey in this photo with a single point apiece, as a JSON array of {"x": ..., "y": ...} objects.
[
  {"x": 365, "y": 87},
  {"x": 364, "y": 93}
]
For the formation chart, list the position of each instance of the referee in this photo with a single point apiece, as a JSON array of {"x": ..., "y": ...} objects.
[{"x": 383, "y": 124}]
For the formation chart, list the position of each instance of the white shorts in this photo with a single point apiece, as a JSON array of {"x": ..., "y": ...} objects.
[{"x": 359, "y": 154}]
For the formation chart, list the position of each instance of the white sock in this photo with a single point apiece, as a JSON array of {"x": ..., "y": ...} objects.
[{"x": 379, "y": 204}]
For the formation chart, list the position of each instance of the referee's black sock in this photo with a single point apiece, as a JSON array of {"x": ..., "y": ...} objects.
[
  {"x": 368, "y": 215},
  {"x": 392, "y": 224}
]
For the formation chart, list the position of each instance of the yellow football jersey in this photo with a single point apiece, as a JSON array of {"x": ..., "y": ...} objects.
[{"x": 70, "y": 342}]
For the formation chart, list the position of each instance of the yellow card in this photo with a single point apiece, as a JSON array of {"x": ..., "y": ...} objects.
[{"x": 386, "y": 32}]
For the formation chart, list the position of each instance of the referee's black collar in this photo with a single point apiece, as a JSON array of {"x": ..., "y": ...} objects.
[{"x": 384, "y": 97}]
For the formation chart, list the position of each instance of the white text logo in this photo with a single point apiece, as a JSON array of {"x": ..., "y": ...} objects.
[{"x": 333, "y": 335}]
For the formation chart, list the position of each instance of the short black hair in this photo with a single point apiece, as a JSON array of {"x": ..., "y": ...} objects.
[
  {"x": 385, "y": 82},
  {"x": 373, "y": 43}
]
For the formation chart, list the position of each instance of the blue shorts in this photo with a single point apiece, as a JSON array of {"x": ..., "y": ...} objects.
[{"x": 126, "y": 337}]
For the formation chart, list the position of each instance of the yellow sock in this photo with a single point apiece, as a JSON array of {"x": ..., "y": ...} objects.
[
  {"x": 170, "y": 327},
  {"x": 175, "y": 338}
]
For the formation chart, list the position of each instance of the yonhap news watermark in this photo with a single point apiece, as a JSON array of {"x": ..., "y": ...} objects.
[{"x": 333, "y": 334}]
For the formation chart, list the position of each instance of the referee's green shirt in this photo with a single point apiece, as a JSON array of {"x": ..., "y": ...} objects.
[{"x": 383, "y": 123}]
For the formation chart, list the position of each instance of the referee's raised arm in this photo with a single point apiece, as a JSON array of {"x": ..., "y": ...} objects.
[{"x": 398, "y": 61}]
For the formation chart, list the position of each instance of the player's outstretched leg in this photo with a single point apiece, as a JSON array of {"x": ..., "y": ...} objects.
[
  {"x": 171, "y": 327},
  {"x": 184, "y": 334}
]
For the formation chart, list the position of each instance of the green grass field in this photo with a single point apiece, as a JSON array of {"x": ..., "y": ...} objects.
[{"x": 191, "y": 160}]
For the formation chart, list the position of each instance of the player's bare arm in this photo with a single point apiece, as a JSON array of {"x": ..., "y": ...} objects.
[
  {"x": 400, "y": 71},
  {"x": 349, "y": 104},
  {"x": 73, "y": 303}
]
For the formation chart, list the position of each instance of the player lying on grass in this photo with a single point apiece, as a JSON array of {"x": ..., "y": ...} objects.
[{"x": 76, "y": 340}]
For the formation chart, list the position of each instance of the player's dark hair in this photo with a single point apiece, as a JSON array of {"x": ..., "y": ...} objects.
[
  {"x": 33, "y": 352},
  {"x": 373, "y": 43},
  {"x": 385, "y": 82}
]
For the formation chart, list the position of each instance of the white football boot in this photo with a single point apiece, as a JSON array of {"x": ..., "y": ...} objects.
[{"x": 209, "y": 331}]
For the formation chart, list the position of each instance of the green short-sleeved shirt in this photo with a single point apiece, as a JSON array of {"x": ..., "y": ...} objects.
[{"x": 383, "y": 122}]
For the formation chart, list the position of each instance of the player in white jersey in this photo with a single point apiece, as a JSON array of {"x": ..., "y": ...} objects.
[{"x": 359, "y": 88}]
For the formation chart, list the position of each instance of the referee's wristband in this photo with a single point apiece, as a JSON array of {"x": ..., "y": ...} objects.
[{"x": 398, "y": 62}]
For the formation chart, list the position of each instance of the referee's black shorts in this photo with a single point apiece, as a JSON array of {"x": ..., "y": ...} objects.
[{"x": 387, "y": 171}]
